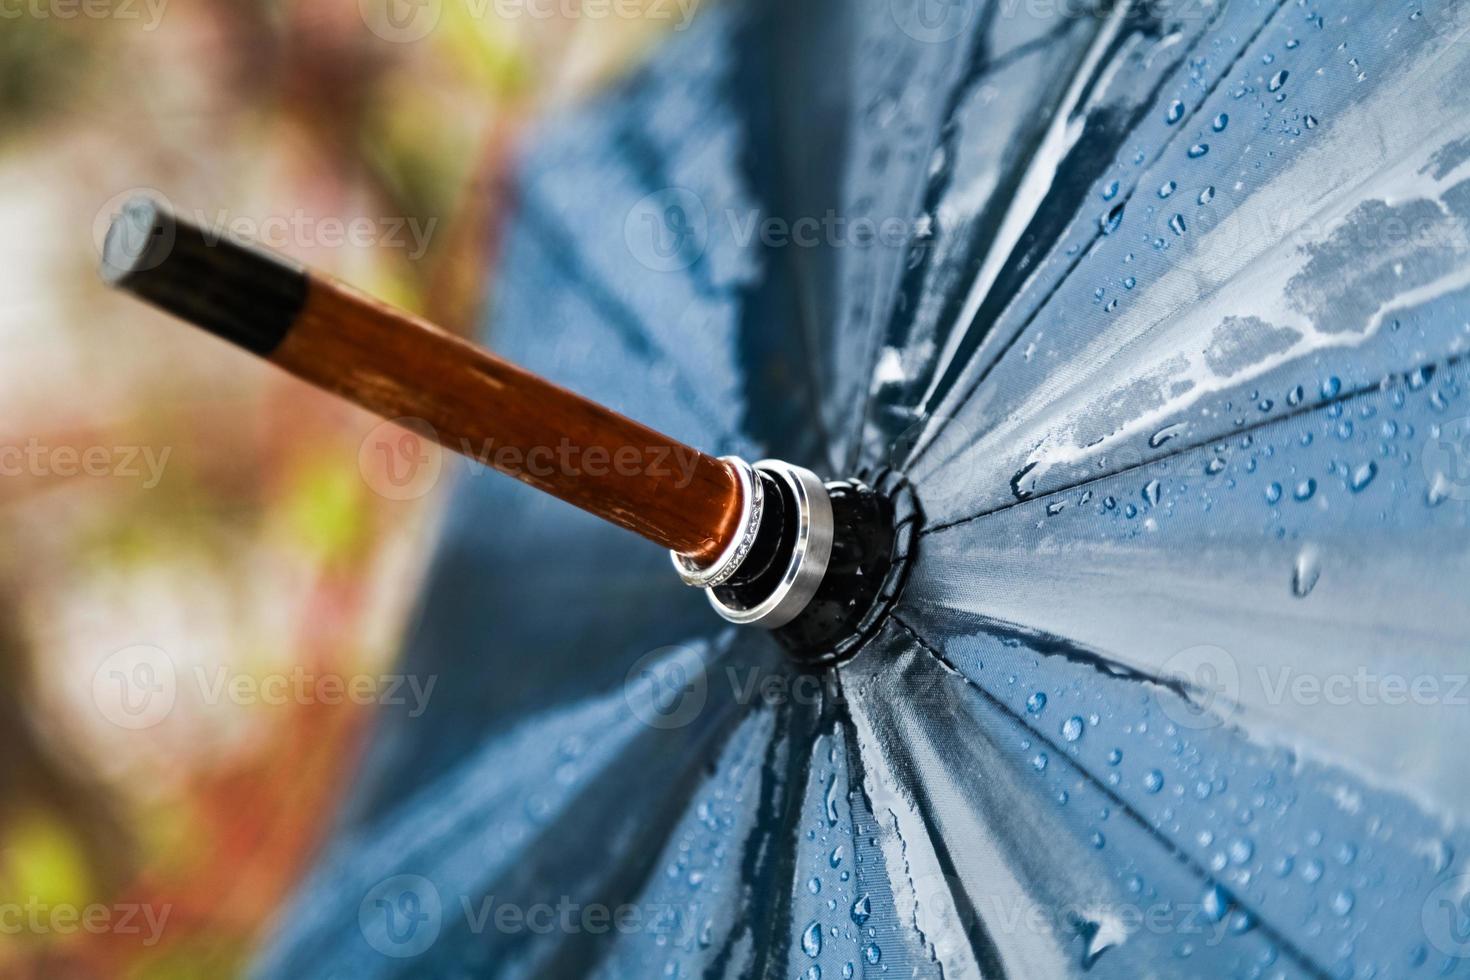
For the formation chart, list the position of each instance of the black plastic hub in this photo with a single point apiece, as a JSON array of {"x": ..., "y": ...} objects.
[{"x": 875, "y": 535}]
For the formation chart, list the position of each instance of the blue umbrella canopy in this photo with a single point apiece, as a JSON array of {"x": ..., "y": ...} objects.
[{"x": 1161, "y": 310}]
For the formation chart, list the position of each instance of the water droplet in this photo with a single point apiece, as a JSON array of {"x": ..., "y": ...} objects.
[
  {"x": 1176, "y": 223},
  {"x": 1312, "y": 871},
  {"x": 1153, "y": 780},
  {"x": 1039, "y": 763},
  {"x": 1305, "y": 490},
  {"x": 1215, "y": 466},
  {"x": 1099, "y": 841},
  {"x": 1216, "y": 904},
  {"x": 813, "y": 972},
  {"x": 1110, "y": 191},
  {"x": 811, "y": 940},
  {"x": 1206, "y": 196},
  {"x": 873, "y": 953},
  {"x": 1109, "y": 222},
  {"x": 1072, "y": 729},
  {"x": 1241, "y": 850},
  {"x": 835, "y": 858},
  {"x": 1165, "y": 434},
  {"x": 1198, "y": 150},
  {"x": 1221, "y": 121},
  {"x": 1175, "y": 113},
  {"x": 1331, "y": 387},
  {"x": 1167, "y": 189},
  {"x": 1342, "y": 902},
  {"x": 1311, "y": 122},
  {"x": 1278, "y": 80},
  {"x": 1036, "y": 702},
  {"x": 814, "y": 885},
  {"x": 1362, "y": 476},
  {"x": 1023, "y": 484},
  {"x": 1273, "y": 493},
  {"x": 1115, "y": 757},
  {"x": 862, "y": 909},
  {"x": 1307, "y": 571},
  {"x": 1152, "y": 491}
]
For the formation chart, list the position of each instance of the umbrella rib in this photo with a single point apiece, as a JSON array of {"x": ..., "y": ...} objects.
[
  {"x": 982, "y": 66},
  {"x": 1082, "y": 253},
  {"x": 1300, "y": 956},
  {"x": 1346, "y": 396},
  {"x": 979, "y": 67}
]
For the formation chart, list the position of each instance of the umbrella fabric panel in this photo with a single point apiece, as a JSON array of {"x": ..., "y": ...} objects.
[
  {"x": 1328, "y": 208},
  {"x": 519, "y": 596},
  {"x": 1257, "y": 644},
  {"x": 1324, "y": 544},
  {"x": 567, "y": 810},
  {"x": 1016, "y": 862},
  {"x": 1045, "y": 106}
]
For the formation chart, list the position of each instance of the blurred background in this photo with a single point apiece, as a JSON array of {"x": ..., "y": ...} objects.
[{"x": 184, "y": 518}]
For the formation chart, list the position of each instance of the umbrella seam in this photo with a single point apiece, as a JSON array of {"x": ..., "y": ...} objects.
[
  {"x": 1302, "y": 958},
  {"x": 1343, "y": 398}
]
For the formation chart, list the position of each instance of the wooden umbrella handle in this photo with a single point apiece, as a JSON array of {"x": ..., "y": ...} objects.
[{"x": 400, "y": 366}]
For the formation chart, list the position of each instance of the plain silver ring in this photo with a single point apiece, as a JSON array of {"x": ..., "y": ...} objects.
[
  {"x": 752, "y": 506},
  {"x": 809, "y": 559}
]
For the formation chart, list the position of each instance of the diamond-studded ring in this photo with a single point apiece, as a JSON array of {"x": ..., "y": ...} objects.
[{"x": 753, "y": 500}]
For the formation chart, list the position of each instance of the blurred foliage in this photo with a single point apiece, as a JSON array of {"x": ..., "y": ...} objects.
[{"x": 261, "y": 545}]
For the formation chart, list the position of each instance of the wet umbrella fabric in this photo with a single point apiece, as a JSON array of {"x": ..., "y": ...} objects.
[{"x": 1172, "y": 353}]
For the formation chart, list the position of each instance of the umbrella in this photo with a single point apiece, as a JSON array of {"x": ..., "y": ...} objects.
[{"x": 1156, "y": 314}]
